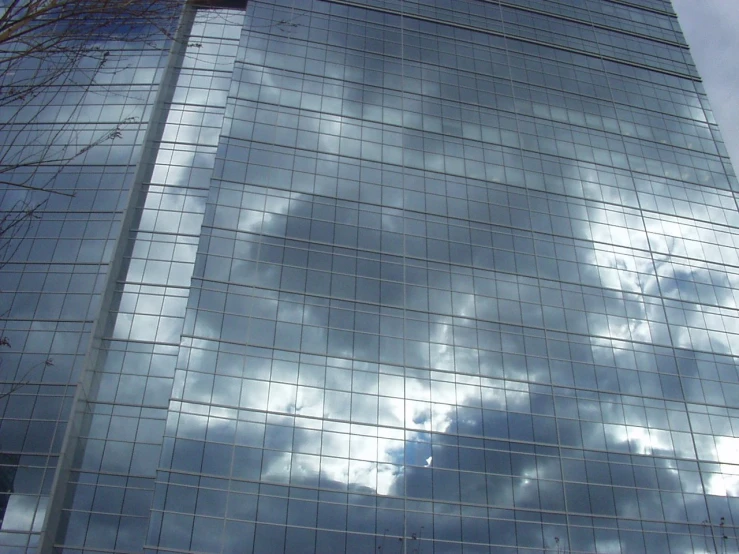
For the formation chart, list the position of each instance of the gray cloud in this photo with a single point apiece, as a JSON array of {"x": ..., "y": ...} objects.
[{"x": 710, "y": 29}]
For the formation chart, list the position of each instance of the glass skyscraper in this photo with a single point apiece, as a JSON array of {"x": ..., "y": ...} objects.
[{"x": 373, "y": 276}]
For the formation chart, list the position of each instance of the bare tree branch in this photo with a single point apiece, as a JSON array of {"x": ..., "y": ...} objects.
[{"x": 54, "y": 56}]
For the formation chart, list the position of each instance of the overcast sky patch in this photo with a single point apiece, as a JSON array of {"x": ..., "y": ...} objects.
[{"x": 710, "y": 27}]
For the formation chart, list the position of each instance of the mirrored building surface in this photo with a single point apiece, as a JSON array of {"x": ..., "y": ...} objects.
[{"x": 372, "y": 276}]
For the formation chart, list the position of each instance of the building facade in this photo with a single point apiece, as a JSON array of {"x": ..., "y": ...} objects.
[{"x": 450, "y": 276}]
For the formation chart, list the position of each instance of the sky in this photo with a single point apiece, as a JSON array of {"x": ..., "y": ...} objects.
[{"x": 711, "y": 27}]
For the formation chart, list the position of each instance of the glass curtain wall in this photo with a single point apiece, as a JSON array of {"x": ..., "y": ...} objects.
[
  {"x": 68, "y": 155},
  {"x": 415, "y": 277},
  {"x": 104, "y": 492},
  {"x": 464, "y": 284}
]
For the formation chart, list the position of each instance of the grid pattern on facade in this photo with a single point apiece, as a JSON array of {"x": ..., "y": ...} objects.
[
  {"x": 444, "y": 276},
  {"x": 81, "y": 138}
]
